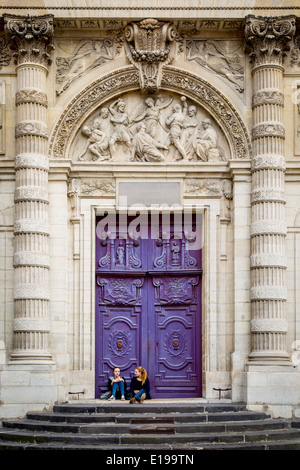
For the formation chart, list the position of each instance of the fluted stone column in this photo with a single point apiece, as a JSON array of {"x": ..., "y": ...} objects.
[
  {"x": 31, "y": 39},
  {"x": 267, "y": 40}
]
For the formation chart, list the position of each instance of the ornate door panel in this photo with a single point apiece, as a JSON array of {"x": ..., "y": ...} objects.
[
  {"x": 175, "y": 344},
  {"x": 148, "y": 310}
]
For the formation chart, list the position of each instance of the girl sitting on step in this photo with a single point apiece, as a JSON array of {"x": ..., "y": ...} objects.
[
  {"x": 140, "y": 386},
  {"x": 117, "y": 384}
]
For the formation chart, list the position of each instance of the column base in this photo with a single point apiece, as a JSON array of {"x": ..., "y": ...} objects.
[
  {"x": 31, "y": 357},
  {"x": 26, "y": 387},
  {"x": 273, "y": 387},
  {"x": 269, "y": 358}
]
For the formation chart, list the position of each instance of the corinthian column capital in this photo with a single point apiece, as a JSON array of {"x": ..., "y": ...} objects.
[
  {"x": 31, "y": 37},
  {"x": 267, "y": 38}
]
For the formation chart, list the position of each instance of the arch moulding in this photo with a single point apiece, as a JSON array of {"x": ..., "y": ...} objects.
[{"x": 173, "y": 80}]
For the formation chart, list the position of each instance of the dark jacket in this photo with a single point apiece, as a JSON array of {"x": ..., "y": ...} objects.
[{"x": 136, "y": 384}]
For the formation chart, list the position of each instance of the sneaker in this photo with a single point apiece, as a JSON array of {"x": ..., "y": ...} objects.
[
  {"x": 112, "y": 398},
  {"x": 142, "y": 397},
  {"x": 122, "y": 397},
  {"x": 132, "y": 400}
]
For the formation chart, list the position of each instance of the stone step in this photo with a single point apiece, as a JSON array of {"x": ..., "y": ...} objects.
[
  {"x": 141, "y": 448},
  {"x": 148, "y": 406},
  {"x": 146, "y": 427},
  {"x": 128, "y": 417},
  {"x": 116, "y": 426},
  {"x": 190, "y": 441}
]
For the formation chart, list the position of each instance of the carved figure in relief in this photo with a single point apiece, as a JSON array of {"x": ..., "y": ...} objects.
[
  {"x": 87, "y": 55},
  {"x": 212, "y": 55},
  {"x": 96, "y": 144},
  {"x": 155, "y": 132},
  {"x": 120, "y": 256},
  {"x": 175, "y": 122},
  {"x": 150, "y": 112},
  {"x": 190, "y": 131},
  {"x": 206, "y": 143},
  {"x": 120, "y": 120},
  {"x": 145, "y": 148},
  {"x": 102, "y": 122},
  {"x": 175, "y": 254}
]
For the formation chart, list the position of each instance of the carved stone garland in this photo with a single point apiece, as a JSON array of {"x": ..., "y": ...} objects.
[
  {"x": 31, "y": 39},
  {"x": 267, "y": 40}
]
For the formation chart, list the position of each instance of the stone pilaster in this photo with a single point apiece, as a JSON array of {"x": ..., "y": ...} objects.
[
  {"x": 31, "y": 40},
  {"x": 267, "y": 40}
]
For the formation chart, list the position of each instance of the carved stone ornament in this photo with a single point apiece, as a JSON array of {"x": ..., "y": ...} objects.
[
  {"x": 267, "y": 38},
  {"x": 96, "y": 97},
  {"x": 85, "y": 56},
  {"x": 5, "y": 53},
  {"x": 158, "y": 128},
  {"x": 149, "y": 43},
  {"x": 31, "y": 37}
]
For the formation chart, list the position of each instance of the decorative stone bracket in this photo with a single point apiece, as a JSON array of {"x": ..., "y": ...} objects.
[{"x": 149, "y": 49}]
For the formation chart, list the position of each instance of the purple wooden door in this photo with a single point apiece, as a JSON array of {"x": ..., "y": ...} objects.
[{"x": 148, "y": 309}]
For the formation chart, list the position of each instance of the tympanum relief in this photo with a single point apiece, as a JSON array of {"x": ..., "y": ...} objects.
[{"x": 161, "y": 128}]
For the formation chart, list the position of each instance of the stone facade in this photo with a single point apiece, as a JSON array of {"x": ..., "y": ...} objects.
[{"x": 94, "y": 98}]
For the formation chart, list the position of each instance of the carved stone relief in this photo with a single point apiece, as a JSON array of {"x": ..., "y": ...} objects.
[
  {"x": 150, "y": 43},
  {"x": 5, "y": 53},
  {"x": 161, "y": 128},
  {"x": 76, "y": 60},
  {"x": 98, "y": 187},
  {"x": 225, "y": 58}
]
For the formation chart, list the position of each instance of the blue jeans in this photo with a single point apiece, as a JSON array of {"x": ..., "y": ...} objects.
[
  {"x": 139, "y": 394},
  {"x": 115, "y": 386}
]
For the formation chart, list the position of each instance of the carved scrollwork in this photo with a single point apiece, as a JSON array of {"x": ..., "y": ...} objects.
[
  {"x": 120, "y": 291},
  {"x": 175, "y": 290}
]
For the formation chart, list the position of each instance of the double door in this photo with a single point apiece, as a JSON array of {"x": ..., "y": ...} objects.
[{"x": 148, "y": 309}]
